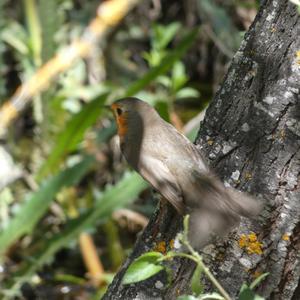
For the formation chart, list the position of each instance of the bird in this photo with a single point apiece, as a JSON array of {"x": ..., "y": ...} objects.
[{"x": 177, "y": 170}]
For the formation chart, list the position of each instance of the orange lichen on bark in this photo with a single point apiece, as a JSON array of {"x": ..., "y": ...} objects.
[
  {"x": 250, "y": 243},
  {"x": 248, "y": 176},
  {"x": 161, "y": 247},
  {"x": 286, "y": 237},
  {"x": 298, "y": 57},
  {"x": 256, "y": 274},
  {"x": 243, "y": 241},
  {"x": 172, "y": 244}
]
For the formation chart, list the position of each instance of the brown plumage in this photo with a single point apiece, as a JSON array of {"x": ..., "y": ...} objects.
[{"x": 175, "y": 168}]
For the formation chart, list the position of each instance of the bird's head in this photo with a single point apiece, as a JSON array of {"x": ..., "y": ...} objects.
[{"x": 131, "y": 115}]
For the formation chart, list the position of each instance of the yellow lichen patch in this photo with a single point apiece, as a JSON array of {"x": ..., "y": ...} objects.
[
  {"x": 250, "y": 243},
  {"x": 286, "y": 237},
  {"x": 243, "y": 241},
  {"x": 161, "y": 247},
  {"x": 298, "y": 57},
  {"x": 255, "y": 248},
  {"x": 252, "y": 237},
  {"x": 248, "y": 176},
  {"x": 172, "y": 244},
  {"x": 282, "y": 134},
  {"x": 256, "y": 274}
]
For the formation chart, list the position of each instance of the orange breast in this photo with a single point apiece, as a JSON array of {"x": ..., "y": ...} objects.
[{"x": 121, "y": 121}]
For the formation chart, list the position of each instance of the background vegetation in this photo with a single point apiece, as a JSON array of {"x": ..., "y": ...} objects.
[{"x": 70, "y": 210}]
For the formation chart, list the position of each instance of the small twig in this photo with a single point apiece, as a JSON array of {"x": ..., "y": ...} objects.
[
  {"x": 174, "y": 254},
  {"x": 132, "y": 218},
  {"x": 91, "y": 258},
  {"x": 214, "y": 281}
]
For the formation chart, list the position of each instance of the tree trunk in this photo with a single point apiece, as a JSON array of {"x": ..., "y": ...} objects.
[{"x": 251, "y": 137}]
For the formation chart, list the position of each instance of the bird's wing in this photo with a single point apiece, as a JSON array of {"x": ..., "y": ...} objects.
[
  {"x": 161, "y": 178},
  {"x": 190, "y": 148}
]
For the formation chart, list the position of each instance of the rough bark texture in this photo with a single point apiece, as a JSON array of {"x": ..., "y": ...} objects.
[{"x": 251, "y": 137}]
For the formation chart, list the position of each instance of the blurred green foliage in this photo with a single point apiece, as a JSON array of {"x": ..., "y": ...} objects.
[{"x": 72, "y": 176}]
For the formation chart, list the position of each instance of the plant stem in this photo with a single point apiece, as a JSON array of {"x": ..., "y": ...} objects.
[
  {"x": 168, "y": 256},
  {"x": 198, "y": 259},
  {"x": 214, "y": 281}
]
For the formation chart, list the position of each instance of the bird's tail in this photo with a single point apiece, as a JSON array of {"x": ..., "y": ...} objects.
[
  {"x": 244, "y": 204},
  {"x": 217, "y": 210}
]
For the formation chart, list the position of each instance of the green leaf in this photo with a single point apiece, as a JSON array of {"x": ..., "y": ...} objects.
[
  {"x": 258, "y": 280},
  {"x": 114, "y": 197},
  {"x": 187, "y": 92},
  {"x": 154, "y": 57},
  {"x": 211, "y": 296},
  {"x": 167, "y": 63},
  {"x": 163, "y": 35},
  {"x": 73, "y": 133},
  {"x": 143, "y": 267},
  {"x": 196, "y": 285},
  {"x": 34, "y": 29},
  {"x": 165, "y": 81},
  {"x": 246, "y": 293},
  {"x": 37, "y": 204},
  {"x": 179, "y": 77},
  {"x": 187, "y": 297},
  {"x": 70, "y": 279},
  {"x": 15, "y": 35},
  {"x": 163, "y": 110},
  {"x": 50, "y": 23}
]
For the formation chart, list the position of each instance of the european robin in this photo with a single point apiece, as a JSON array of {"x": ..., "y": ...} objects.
[{"x": 176, "y": 169}]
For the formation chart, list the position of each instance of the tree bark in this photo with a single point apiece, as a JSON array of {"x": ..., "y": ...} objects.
[{"x": 251, "y": 138}]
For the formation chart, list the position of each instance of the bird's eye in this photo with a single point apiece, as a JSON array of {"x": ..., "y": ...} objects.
[{"x": 119, "y": 111}]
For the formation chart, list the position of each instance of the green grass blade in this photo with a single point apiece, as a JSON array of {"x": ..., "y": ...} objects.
[
  {"x": 37, "y": 204},
  {"x": 50, "y": 23},
  {"x": 124, "y": 192},
  {"x": 69, "y": 138},
  {"x": 34, "y": 28}
]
